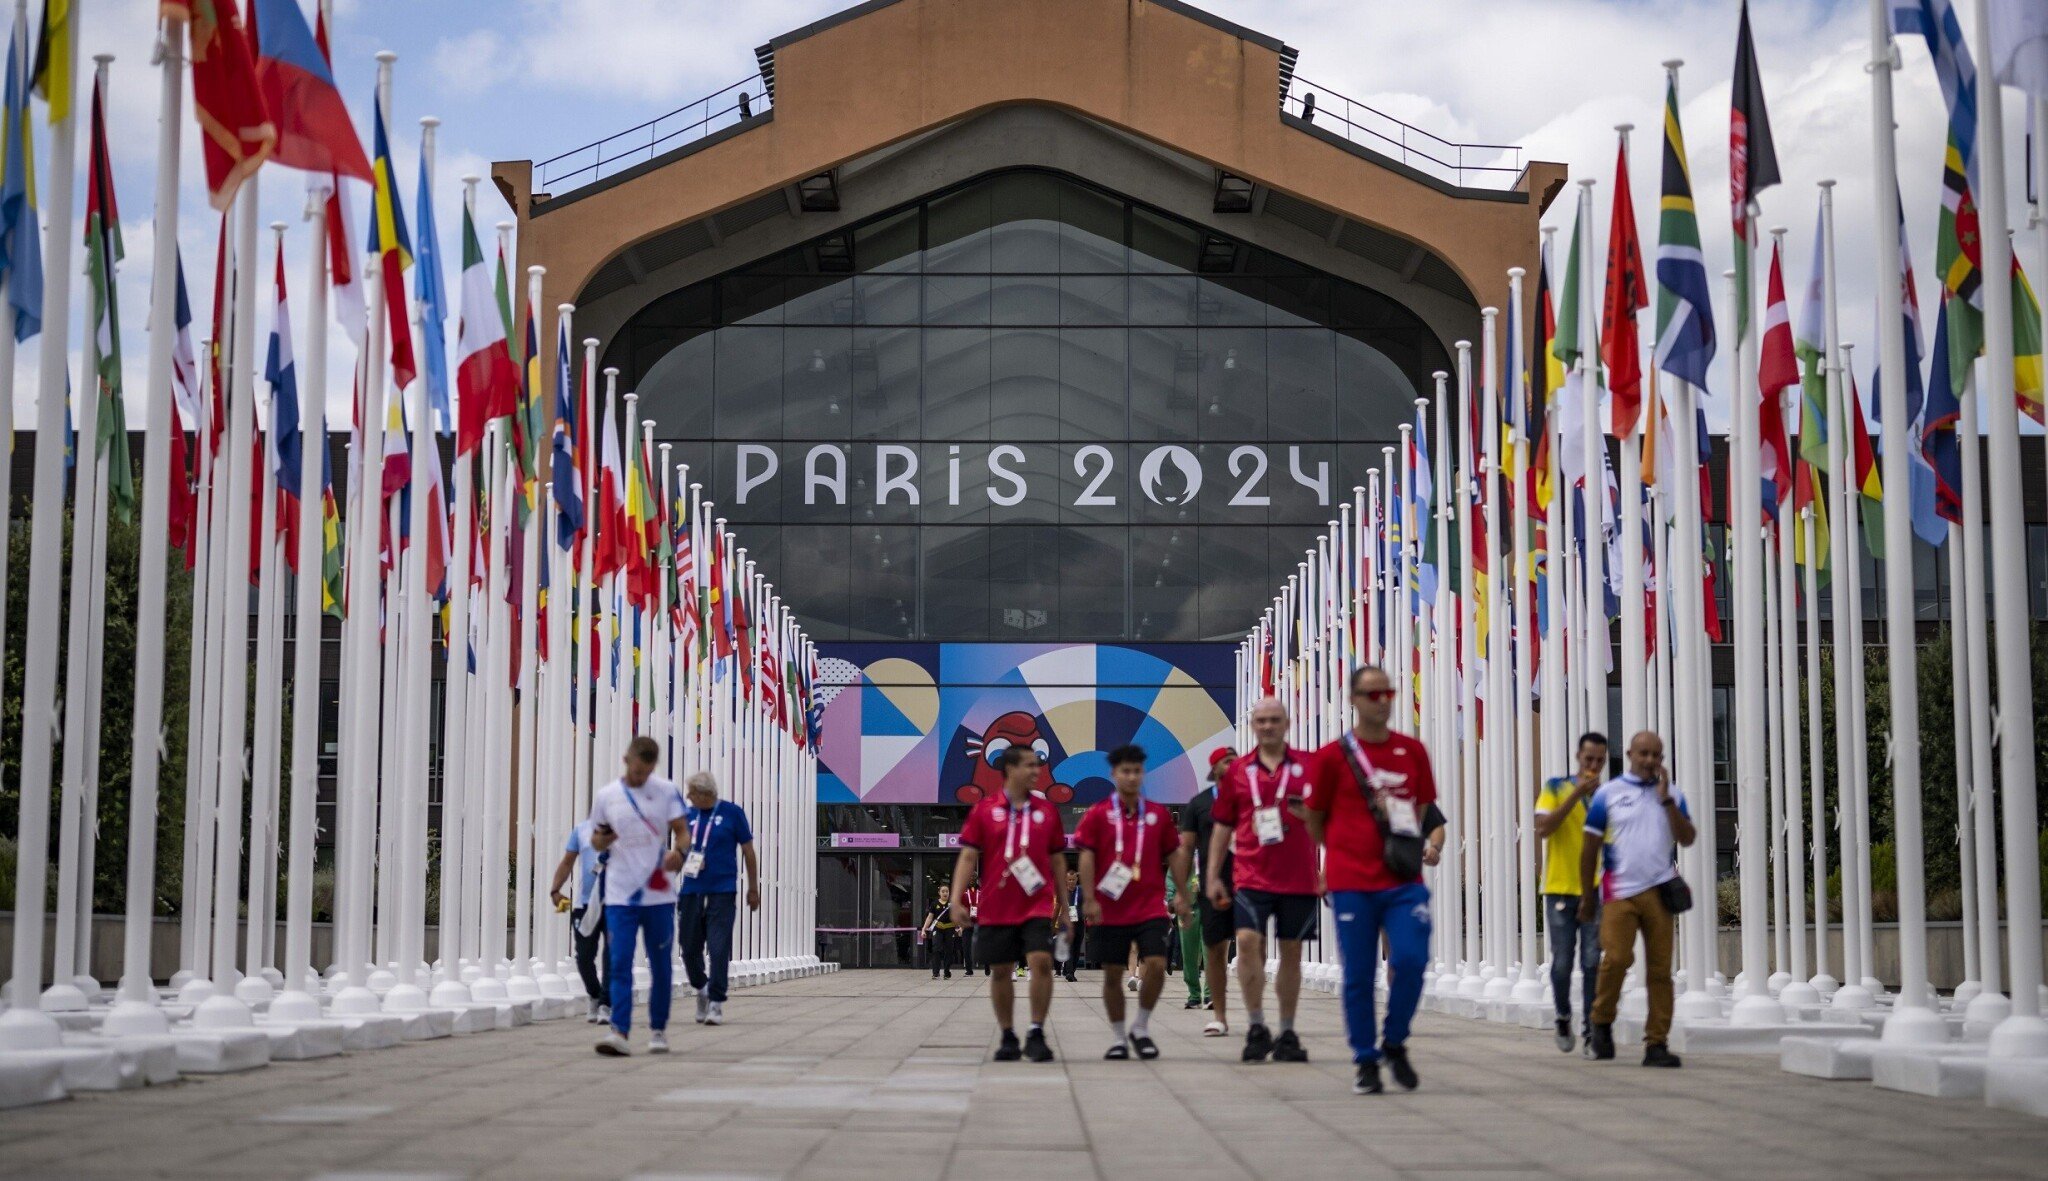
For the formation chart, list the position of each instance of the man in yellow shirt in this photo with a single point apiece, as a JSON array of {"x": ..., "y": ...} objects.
[{"x": 1561, "y": 823}]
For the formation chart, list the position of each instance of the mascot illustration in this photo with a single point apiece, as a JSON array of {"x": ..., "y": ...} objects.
[{"x": 1012, "y": 729}]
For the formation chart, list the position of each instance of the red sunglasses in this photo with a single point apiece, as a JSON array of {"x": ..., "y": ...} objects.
[{"x": 1375, "y": 694}]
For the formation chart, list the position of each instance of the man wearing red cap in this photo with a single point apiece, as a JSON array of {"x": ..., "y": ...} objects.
[
  {"x": 1277, "y": 872},
  {"x": 1210, "y": 927}
]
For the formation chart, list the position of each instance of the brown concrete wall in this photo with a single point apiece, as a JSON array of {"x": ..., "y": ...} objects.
[{"x": 918, "y": 64}]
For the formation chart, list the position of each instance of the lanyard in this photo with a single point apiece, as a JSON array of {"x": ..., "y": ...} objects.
[
  {"x": 1357, "y": 750},
  {"x": 700, "y": 834},
  {"x": 1252, "y": 777},
  {"x": 1019, "y": 818},
  {"x": 628, "y": 790},
  {"x": 1138, "y": 822}
]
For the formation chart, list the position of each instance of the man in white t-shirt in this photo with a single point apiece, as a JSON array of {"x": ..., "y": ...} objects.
[{"x": 636, "y": 825}]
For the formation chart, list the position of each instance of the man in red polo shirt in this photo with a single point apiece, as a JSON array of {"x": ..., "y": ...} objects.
[
  {"x": 1372, "y": 806},
  {"x": 1128, "y": 846},
  {"x": 1016, "y": 836},
  {"x": 1276, "y": 875}
]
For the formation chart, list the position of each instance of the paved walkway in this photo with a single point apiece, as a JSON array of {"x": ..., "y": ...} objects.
[{"x": 883, "y": 1075}]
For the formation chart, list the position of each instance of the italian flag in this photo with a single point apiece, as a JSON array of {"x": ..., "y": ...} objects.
[{"x": 486, "y": 382}]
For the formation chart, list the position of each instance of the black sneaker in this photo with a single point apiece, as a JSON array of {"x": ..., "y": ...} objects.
[
  {"x": 1258, "y": 1042},
  {"x": 1659, "y": 1054},
  {"x": 1035, "y": 1047},
  {"x": 1602, "y": 1042},
  {"x": 1194, "y": 1002},
  {"x": 1008, "y": 1051},
  {"x": 1397, "y": 1061},
  {"x": 1564, "y": 1035},
  {"x": 935, "y": 973},
  {"x": 1144, "y": 1046},
  {"x": 1070, "y": 978},
  {"x": 1368, "y": 1080},
  {"x": 1288, "y": 1048}
]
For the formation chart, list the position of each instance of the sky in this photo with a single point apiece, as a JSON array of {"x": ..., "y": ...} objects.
[{"x": 527, "y": 79}]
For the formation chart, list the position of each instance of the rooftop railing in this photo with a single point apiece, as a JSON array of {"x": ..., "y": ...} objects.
[
  {"x": 1489, "y": 166},
  {"x": 729, "y": 106}
]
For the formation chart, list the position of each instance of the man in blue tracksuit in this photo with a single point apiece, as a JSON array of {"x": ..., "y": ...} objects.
[{"x": 719, "y": 834}]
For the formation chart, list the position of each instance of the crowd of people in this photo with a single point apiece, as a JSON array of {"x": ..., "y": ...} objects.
[{"x": 1253, "y": 858}]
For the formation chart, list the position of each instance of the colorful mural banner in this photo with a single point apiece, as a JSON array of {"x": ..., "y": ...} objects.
[{"x": 923, "y": 723}]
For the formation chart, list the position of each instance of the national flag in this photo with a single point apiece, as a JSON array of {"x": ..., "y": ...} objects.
[
  {"x": 486, "y": 382},
  {"x": 435, "y": 488},
  {"x": 1574, "y": 399},
  {"x": 313, "y": 128},
  {"x": 1938, "y": 422},
  {"x": 332, "y": 553},
  {"x": 1958, "y": 260},
  {"x": 568, "y": 472},
  {"x": 1752, "y": 162},
  {"x": 1685, "y": 312},
  {"x": 1920, "y": 491},
  {"x": 51, "y": 74},
  {"x": 1868, "y": 481},
  {"x": 1809, "y": 344},
  {"x": 103, "y": 254},
  {"x": 389, "y": 241},
  {"x": 217, "y": 343},
  {"x": 286, "y": 439},
  {"x": 1424, "y": 506},
  {"x": 237, "y": 133},
  {"x": 2026, "y": 344},
  {"x": 429, "y": 291},
  {"x": 1778, "y": 371},
  {"x": 1806, "y": 494},
  {"x": 611, "y": 550},
  {"x": 1546, "y": 379},
  {"x": 21, "y": 240},
  {"x": 344, "y": 257},
  {"x": 1626, "y": 294},
  {"x": 2019, "y": 44}
]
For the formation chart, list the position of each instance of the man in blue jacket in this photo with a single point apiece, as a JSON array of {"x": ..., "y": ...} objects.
[{"x": 705, "y": 910}]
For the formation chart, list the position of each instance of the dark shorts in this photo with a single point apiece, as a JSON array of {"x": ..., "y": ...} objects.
[
  {"x": 1110, "y": 947},
  {"x": 1219, "y": 924},
  {"x": 1014, "y": 944},
  {"x": 1291, "y": 916}
]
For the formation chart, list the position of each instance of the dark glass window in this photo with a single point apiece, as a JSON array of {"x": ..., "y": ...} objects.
[{"x": 1031, "y": 410}]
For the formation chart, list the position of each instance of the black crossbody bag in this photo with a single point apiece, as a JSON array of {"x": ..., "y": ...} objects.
[
  {"x": 1677, "y": 895},
  {"x": 1402, "y": 855}
]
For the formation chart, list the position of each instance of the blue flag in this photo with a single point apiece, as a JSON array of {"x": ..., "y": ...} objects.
[
  {"x": 433, "y": 301},
  {"x": 21, "y": 250}
]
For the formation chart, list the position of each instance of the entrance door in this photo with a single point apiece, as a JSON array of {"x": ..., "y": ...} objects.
[{"x": 870, "y": 906}]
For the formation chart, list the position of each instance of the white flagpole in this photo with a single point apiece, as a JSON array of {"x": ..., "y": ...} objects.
[
  {"x": 1774, "y": 680},
  {"x": 1691, "y": 722},
  {"x": 522, "y": 985},
  {"x": 1823, "y": 983},
  {"x": 457, "y": 794},
  {"x": 1990, "y": 1006},
  {"x": 1522, "y": 774},
  {"x": 294, "y": 1002},
  {"x": 1794, "y": 990},
  {"x": 2024, "y": 1033},
  {"x": 1635, "y": 692},
  {"x": 1857, "y": 908},
  {"x": 135, "y": 1009},
  {"x": 1499, "y": 738},
  {"x": 1595, "y": 642},
  {"x": 1962, "y": 705},
  {"x": 1847, "y": 639},
  {"x": 1913, "y": 1017},
  {"x": 1474, "y": 981},
  {"x": 23, "y": 1026},
  {"x": 197, "y": 758},
  {"x": 494, "y": 665}
]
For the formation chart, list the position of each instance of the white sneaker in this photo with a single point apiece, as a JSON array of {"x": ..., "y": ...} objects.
[
  {"x": 703, "y": 1005},
  {"x": 1130, "y": 984},
  {"x": 715, "y": 1014},
  {"x": 657, "y": 1042},
  {"x": 604, "y": 1012},
  {"x": 596, "y": 1014},
  {"x": 613, "y": 1045}
]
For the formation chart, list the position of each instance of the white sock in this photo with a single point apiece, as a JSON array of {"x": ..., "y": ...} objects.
[
  {"x": 1287, "y": 1025},
  {"x": 1142, "y": 1027},
  {"x": 1117, "y": 1028},
  {"x": 1257, "y": 1016}
]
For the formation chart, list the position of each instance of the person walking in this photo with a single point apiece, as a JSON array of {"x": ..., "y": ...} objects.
[
  {"x": 1128, "y": 849},
  {"x": 636, "y": 822},
  {"x": 1372, "y": 807},
  {"x": 1189, "y": 928},
  {"x": 1016, "y": 836},
  {"x": 1561, "y": 825},
  {"x": 940, "y": 934},
  {"x": 585, "y": 929},
  {"x": 965, "y": 913},
  {"x": 1217, "y": 924},
  {"x": 1631, "y": 826},
  {"x": 1258, "y": 815},
  {"x": 719, "y": 836},
  {"x": 1078, "y": 929}
]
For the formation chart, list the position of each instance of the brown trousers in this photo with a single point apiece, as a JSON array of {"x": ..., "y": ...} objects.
[{"x": 1619, "y": 922}]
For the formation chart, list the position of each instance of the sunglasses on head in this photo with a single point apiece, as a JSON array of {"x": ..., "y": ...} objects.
[{"x": 1375, "y": 694}]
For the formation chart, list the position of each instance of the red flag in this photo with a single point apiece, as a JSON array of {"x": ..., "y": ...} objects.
[
  {"x": 184, "y": 504},
  {"x": 236, "y": 132},
  {"x": 1776, "y": 370},
  {"x": 1627, "y": 293}
]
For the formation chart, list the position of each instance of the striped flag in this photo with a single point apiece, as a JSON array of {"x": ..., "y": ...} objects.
[
  {"x": 51, "y": 74},
  {"x": 1685, "y": 312},
  {"x": 21, "y": 242},
  {"x": 286, "y": 439},
  {"x": 344, "y": 266},
  {"x": 568, "y": 472},
  {"x": 1547, "y": 378},
  {"x": 1752, "y": 162},
  {"x": 1957, "y": 250},
  {"x": 2026, "y": 344},
  {"x": 393, "y": 248},
  {"x": 1809, "y": 344},
  {"x": 103, "y": 253},
  {"x": 1777, "y": 371},
  {"x": 486, "y": 381}
]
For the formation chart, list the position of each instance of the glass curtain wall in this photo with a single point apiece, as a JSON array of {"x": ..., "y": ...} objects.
[{"x": 1027, "y": 409}]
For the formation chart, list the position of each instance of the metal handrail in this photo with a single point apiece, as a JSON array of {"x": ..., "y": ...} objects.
[
  {"x": 1362, "y": 124},
  {"x": 727, "y": 106}
]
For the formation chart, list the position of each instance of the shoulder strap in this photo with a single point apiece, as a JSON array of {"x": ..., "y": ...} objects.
[{"x": 1355, "y": 756}]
